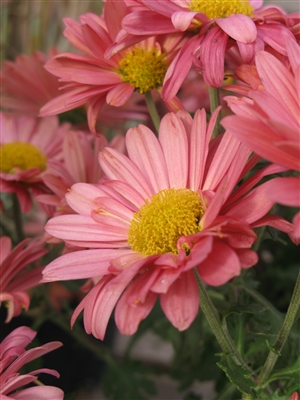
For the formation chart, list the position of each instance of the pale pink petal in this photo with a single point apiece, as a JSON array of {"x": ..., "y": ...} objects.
[
  {"x": 82, "y": 197},
  {"x": 181, "y": 303},
  {"x": 182, "y": 20},
  {"x": 222, "y": 265},
  {"x": 156, "y": 24},
  {"x": 69, "y": 266},
  {"x": 173, "y": 140},
  {"x": 144, "y": 150}
]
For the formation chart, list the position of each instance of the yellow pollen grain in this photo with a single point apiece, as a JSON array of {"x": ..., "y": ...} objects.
[
  {"x": 221, "y": 8},
  {"x": 157, "y": 226},
  {"x": 19, "y": 155},
  {"x": 144, "y": 69}
]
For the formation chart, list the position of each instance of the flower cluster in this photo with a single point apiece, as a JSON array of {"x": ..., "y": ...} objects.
[{"x": 184, "y": 137}]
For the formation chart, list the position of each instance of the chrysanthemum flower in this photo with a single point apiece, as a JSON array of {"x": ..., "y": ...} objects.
[
  {"x": 80, "y": 164},
  {"x": 162, "y": 211},
  {"x": 27, "y": 146},
  {"x": 269, "y": 122},
  {"x": 16, "y": 278},
  {"x": 92, "y": 79},
  {"x": 217, "y": 26},
  {"x": 14, "y": 356},
  {"x": 19, "y": 91}
]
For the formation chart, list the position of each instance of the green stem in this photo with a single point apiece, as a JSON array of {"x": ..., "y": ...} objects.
[
  {"x": 214, "y": 98},
  {"x": 152, "y": 110},
  {"x": 17, "y": 214},
  {"x": 260, "y": 235},
  {"x": 282, "y": 334},
  {"x": 220, "y": 331}
]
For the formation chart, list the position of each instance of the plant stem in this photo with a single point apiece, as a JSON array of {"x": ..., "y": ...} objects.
[
  {"x": 214, "y": 98},
  {"x": 152, "y": 110},
  {"x": 17, "y": 214},
  {"x": 218, "y": 329},
  {"x": 282, "y": 334}
]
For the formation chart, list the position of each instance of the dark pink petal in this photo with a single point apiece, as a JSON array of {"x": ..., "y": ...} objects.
[
  {"x": 222, "y": 265},
  {"x": 275, "y": 35},
  {"x": 181, "y": 303},
  {"x": 238, "y": 26},
  {"x": 247, "y": 257},
  {"x": 284, "y": 191},
  {"x": 212, "y": 56},
  {"x": 156, "y": 24}
]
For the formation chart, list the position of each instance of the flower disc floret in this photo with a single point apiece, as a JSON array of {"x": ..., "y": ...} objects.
[
  {"x": 221, "y": 8},
  {"x": 159, "y": 223},
  {"x": 21, "y": 155},
  {"x": 144, "y": 69}
]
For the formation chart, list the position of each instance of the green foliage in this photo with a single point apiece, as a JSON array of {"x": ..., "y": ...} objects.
[{"x": 129, "y": 381}]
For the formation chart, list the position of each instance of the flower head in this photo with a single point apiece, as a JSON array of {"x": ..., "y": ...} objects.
[
  {"x": 21, "y": 93},
  {"x": 14, "y": 356},
  {"x": 93, "y": 79},
  {"x": 212, "y": 29},
  {"x": 16, "y": 278},
  {"x": 166, "y": 208},
  {"x": 28, "y": 145}
]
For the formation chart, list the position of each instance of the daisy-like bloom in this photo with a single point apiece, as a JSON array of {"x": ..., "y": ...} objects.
[
  {"x": 92, "y": 79},
  {"x": 28, "y": 145},
  {"x": 269, "y": 122},
  {"x": 21, "y": 93},
  {"x": 16, "y": 278},
  {"x": 166, "y": 208},
  {"x": 217, "y": 26},
  {"x": 80, "y": 155},
  {"x": 14, "y": 356}
]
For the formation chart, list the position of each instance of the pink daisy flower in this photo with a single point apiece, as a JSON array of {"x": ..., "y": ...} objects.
[
  {"x": 93, "y": 79},
  {"x": 215, "y": 26},
  {"x": 166, "y": 208},
  {"x": 28, "y": 146},
  {"x": 21, "y": 93},
  {"x": 14, "y": 356},
  {"x": 15, "y": 277},
  {"x": 269, "y": 122}
]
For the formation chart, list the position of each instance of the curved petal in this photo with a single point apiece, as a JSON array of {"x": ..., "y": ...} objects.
[
  {"x": 220, "y": 266},
  {"x": 39, "y": 392},
  {"x": 238, "y": 26}
]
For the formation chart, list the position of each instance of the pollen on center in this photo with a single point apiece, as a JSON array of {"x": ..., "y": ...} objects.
[
  {"x": 157, "y": 226},
  {"x": 144, "y": 69},
  {"x": 21, "y": 155},
  {"x": 221, "y": 8}
]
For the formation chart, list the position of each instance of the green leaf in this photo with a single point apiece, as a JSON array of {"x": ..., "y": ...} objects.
[
  {"x": 237, "y": 374},
  {"x": 276, "y": 396},
  {"x": 288, "y": 372},
  {"x": 243, "y": 308},
  {"x": 273, "y": 349}
]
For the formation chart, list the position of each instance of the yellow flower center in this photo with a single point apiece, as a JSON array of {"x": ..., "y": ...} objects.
[
  {"x": 21, "y": 155},
  {"x": 159, "y": 223},
  {"x": 221, "y": 8},
  {"x": 144, "y": 69}
]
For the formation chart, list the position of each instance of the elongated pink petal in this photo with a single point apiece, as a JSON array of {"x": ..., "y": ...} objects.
[
  {"x": 144, "y": 150},
  {"x": 239, "y": 27},
  {"x": 82, "y": 197},
  {"x": 212, "y": 55},
  {"x": 284, "y": 191},
  {"x": 69, "y": 266},
  {"x": 182, "y": 20},
  {"x": 157, "y": 24},
  {"x": 181, "y": 302},
  {"x": 119, "y": 94},
  {"x": 39, "y": 392},
  {"x": 222, "y": 265},
  {"x": 173, "y": 140}
]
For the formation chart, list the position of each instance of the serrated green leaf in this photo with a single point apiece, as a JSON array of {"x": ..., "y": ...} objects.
[
  {"x": 237, "y": 374},
  {"x": 243, "y": 309}
]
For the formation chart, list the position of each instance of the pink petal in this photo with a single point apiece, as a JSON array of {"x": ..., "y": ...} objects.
[
  {"x": 144, "y": 150},
  {"x": 182, "y": 19},
  {"x": 129, "y": 316},
  {"x": 157, "y": 24},
  {"x": 173, "y": 140},
  {"x": 119, "y": 94},
  {"x": 220, "y": 266},
  {"x": 39, "y": 392},
  {"x": 181, "y": 303},
  {"x": 238, "y": 26},
  {"x": 284, "y": 191}
]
